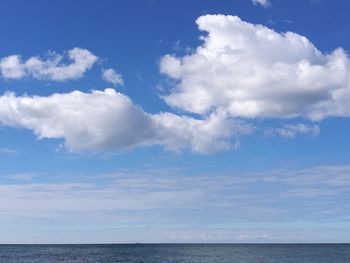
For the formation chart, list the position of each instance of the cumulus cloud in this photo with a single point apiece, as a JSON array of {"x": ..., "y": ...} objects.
[
  {"x": 107, "y": 120},
  {"x": 239, "y": 73},
  {"x": 12, "y": 67},
  {"x": 251, "y": 71},
  {"x": 111, "y": 76},
  {"x": 264, "y": 3},
  {"x": 290, "y": 131}
]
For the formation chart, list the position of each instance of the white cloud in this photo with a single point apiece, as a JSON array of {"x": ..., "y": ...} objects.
[
  {"x": 290, "y": 131},
  {"x": 172, "y": 189},
  {"x": 251, "y": 71},
  {"x": 264, "y": 3},
  {"x": 12, "y": 67},
  {"x": 111, "y": 76},
  {"x": 240, "y": 72},
  {"x": 107, "y": 120},
  {"x": 213, "y": 134}
]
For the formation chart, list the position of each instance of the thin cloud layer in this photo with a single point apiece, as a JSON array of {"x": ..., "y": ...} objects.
[
  {"x": 251, "y": 71},
  {"x": 162, "y": 189},
  {"x": 12, "y": 67},
  {"x": 107, "y": 120}
]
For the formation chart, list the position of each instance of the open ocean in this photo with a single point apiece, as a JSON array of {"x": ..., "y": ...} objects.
[{"x": 187, "y": 253}]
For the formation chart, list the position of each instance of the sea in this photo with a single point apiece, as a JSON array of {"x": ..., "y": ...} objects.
[{"x": 184, "y": 253}]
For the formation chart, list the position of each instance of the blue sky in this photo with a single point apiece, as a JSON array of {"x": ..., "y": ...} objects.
[{"x": 174, "y": 121}]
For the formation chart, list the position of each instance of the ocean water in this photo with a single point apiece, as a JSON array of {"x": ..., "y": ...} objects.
[{"x": 171, "y": 253}]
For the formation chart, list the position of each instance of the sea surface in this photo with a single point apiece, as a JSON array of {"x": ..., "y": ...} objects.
[{"x": 186, "y": 253}]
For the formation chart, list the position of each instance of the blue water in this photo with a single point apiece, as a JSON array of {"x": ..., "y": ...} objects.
[{"x": 187, "y": 253}]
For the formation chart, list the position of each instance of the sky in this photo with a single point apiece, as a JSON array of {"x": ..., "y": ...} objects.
[{"x": 174, "y": 121}]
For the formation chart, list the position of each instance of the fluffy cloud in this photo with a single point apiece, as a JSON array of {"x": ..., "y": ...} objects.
[
  {"x": 264, "y": 3},
  {"x": 215, "y": 133},
  {"x": 107, "y": 120},
  {"x": 251, "y": 71},
  {"x": 12, "y": 67},
  {"x": 111, "y": 76},
  {"x": 240, "y": 72}
]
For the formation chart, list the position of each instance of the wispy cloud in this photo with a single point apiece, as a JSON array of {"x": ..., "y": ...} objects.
[
  {"x": 269, "y": 196},
  {"x": 4, "y": 150},
  {"x": 290, "y": 131},
  {"x": 263, "y": 3},
  {"x": 20, "y": 176}
]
